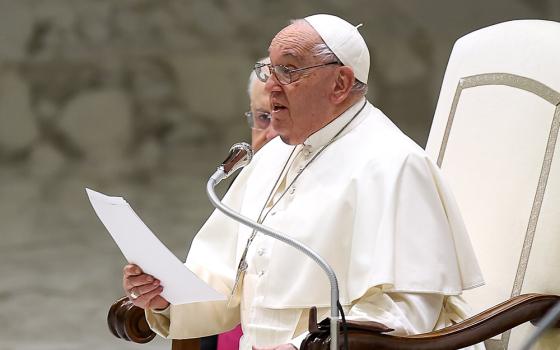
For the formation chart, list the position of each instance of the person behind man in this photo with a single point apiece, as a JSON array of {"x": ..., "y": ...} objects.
[
  {"x": 258, "y": 118},
  {"x": 345, "y": 181},
  {"x": 259, "y": 115}
]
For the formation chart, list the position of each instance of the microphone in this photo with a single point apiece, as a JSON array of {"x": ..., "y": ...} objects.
[{"x": 239, "y": 156}]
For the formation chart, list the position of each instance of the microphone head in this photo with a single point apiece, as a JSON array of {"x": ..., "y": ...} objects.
[{"x": 240, "y": 154}]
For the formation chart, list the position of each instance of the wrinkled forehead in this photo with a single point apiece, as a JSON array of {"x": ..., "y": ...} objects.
[{"x": 295, "y": 41}]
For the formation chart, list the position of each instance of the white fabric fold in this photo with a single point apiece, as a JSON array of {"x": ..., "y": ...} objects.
[{"x": 373, "y": 205}]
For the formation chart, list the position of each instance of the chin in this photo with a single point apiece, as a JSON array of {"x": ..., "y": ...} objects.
[{"x": 287, "y": 140}]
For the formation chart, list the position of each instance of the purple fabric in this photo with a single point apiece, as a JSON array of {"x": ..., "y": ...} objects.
[{"x": 230, "y": 340}]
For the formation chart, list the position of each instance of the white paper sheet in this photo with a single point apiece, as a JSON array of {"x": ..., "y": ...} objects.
[{"x": 141, "y": 247}]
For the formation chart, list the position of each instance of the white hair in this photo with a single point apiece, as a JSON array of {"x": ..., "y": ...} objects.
[
  {"x": 325, "y": 55},
  {"x": 253, "y": 75},
  {"x": 252, "y": 78}
]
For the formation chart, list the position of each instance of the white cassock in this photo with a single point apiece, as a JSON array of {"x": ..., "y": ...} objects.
[{"x": 372, "y": 204}]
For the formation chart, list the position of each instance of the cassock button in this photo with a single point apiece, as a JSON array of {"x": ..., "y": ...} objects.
[
  {"x": 273, "y": 213},
  {"x": 261, "y": 273},
  {"x": 261, "y": 251},
  {"x": 292, "y": 190}
]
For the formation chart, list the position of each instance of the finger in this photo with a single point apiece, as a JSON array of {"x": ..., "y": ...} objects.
[
  {"x": 132, "y": 270},
  {"x": 145, "y": 299},
  {"x": 158, "y": 303},
  {"x": 136, "y": 281},
  {"x": 146, "y": 288}
]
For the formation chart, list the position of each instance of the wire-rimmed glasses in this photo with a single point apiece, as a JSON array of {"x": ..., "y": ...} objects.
[
  {"x": 284, "y": 74},
  {"x": 259, "y": 120}
]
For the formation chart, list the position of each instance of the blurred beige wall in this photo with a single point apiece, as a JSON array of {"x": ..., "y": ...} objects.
[{"x": 142, "y": 98}]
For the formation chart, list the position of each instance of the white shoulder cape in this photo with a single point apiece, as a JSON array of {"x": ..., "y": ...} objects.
[{"x": 372, "y": 204}]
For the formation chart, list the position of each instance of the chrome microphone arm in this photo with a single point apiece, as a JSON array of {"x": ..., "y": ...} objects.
[{"x": 221, "y": 173}]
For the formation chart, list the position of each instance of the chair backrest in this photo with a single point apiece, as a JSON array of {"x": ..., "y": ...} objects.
[{"x": 494, "y": 135}]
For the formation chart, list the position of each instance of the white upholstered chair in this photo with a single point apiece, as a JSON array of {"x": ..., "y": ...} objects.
[{"x": 494, "y": 135}]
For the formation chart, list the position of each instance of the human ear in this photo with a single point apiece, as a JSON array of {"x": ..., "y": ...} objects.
[{"x": 342, "y": 84}]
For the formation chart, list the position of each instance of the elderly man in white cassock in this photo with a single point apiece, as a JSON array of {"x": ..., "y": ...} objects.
[{"x": 345, "y": 181}]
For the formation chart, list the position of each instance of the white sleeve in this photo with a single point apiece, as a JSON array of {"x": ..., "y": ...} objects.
[
  {"x": 193, "y": 320},
  {"x": 406, "y": 313}
]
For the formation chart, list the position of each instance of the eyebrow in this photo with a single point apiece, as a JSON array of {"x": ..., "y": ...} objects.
[{"x": 290, "y": 53}]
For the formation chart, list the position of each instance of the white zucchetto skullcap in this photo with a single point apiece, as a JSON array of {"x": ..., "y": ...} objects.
[{"x": 345, "y": 42}]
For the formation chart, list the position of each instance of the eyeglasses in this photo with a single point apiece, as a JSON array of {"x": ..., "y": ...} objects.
[
  {"x": 284, "y": 74},
  {"x": 258, "y": 121}
]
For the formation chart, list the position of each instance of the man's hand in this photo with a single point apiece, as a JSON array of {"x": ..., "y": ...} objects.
[
  {"x": 279, "y": 347},
  {"x": 143, "y": 289}
]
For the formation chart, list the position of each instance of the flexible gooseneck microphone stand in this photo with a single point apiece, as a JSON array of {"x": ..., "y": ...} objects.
[{"x": 239, "y": 156}]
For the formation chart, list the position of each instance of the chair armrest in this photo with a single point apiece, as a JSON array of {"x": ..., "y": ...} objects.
[
  {"x": 494, "y": 321},
  {"x": 128, "y": 322}
]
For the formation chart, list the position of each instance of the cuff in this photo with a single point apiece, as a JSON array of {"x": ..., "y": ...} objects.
[
  {"x": 164, "y": 312},
  {"x": 158, "y": 320}
]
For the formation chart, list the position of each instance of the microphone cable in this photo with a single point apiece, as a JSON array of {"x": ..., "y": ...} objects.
[{"x": 344, "y": 325}]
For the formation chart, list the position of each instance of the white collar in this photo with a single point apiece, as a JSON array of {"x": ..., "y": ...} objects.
[{"x": 322, "y": 136}]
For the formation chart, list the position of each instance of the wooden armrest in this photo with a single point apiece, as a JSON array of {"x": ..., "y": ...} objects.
[
  {"x": 128, "y": 322},
  {"x": 494, "y": 321}
]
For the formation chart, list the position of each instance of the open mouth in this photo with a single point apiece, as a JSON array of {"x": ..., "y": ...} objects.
[{"x": 276, "y": 107}]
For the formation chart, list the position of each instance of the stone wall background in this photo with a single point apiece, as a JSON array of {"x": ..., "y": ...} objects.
[{"x": 143, "y": 98}]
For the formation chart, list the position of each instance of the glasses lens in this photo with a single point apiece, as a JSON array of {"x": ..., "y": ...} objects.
[
  {"x": 283, "y": 74},
  {"x": 262, "y": 72},
  {"x": 249, "y": 118},
  {"x": 261, "y": 120}
]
